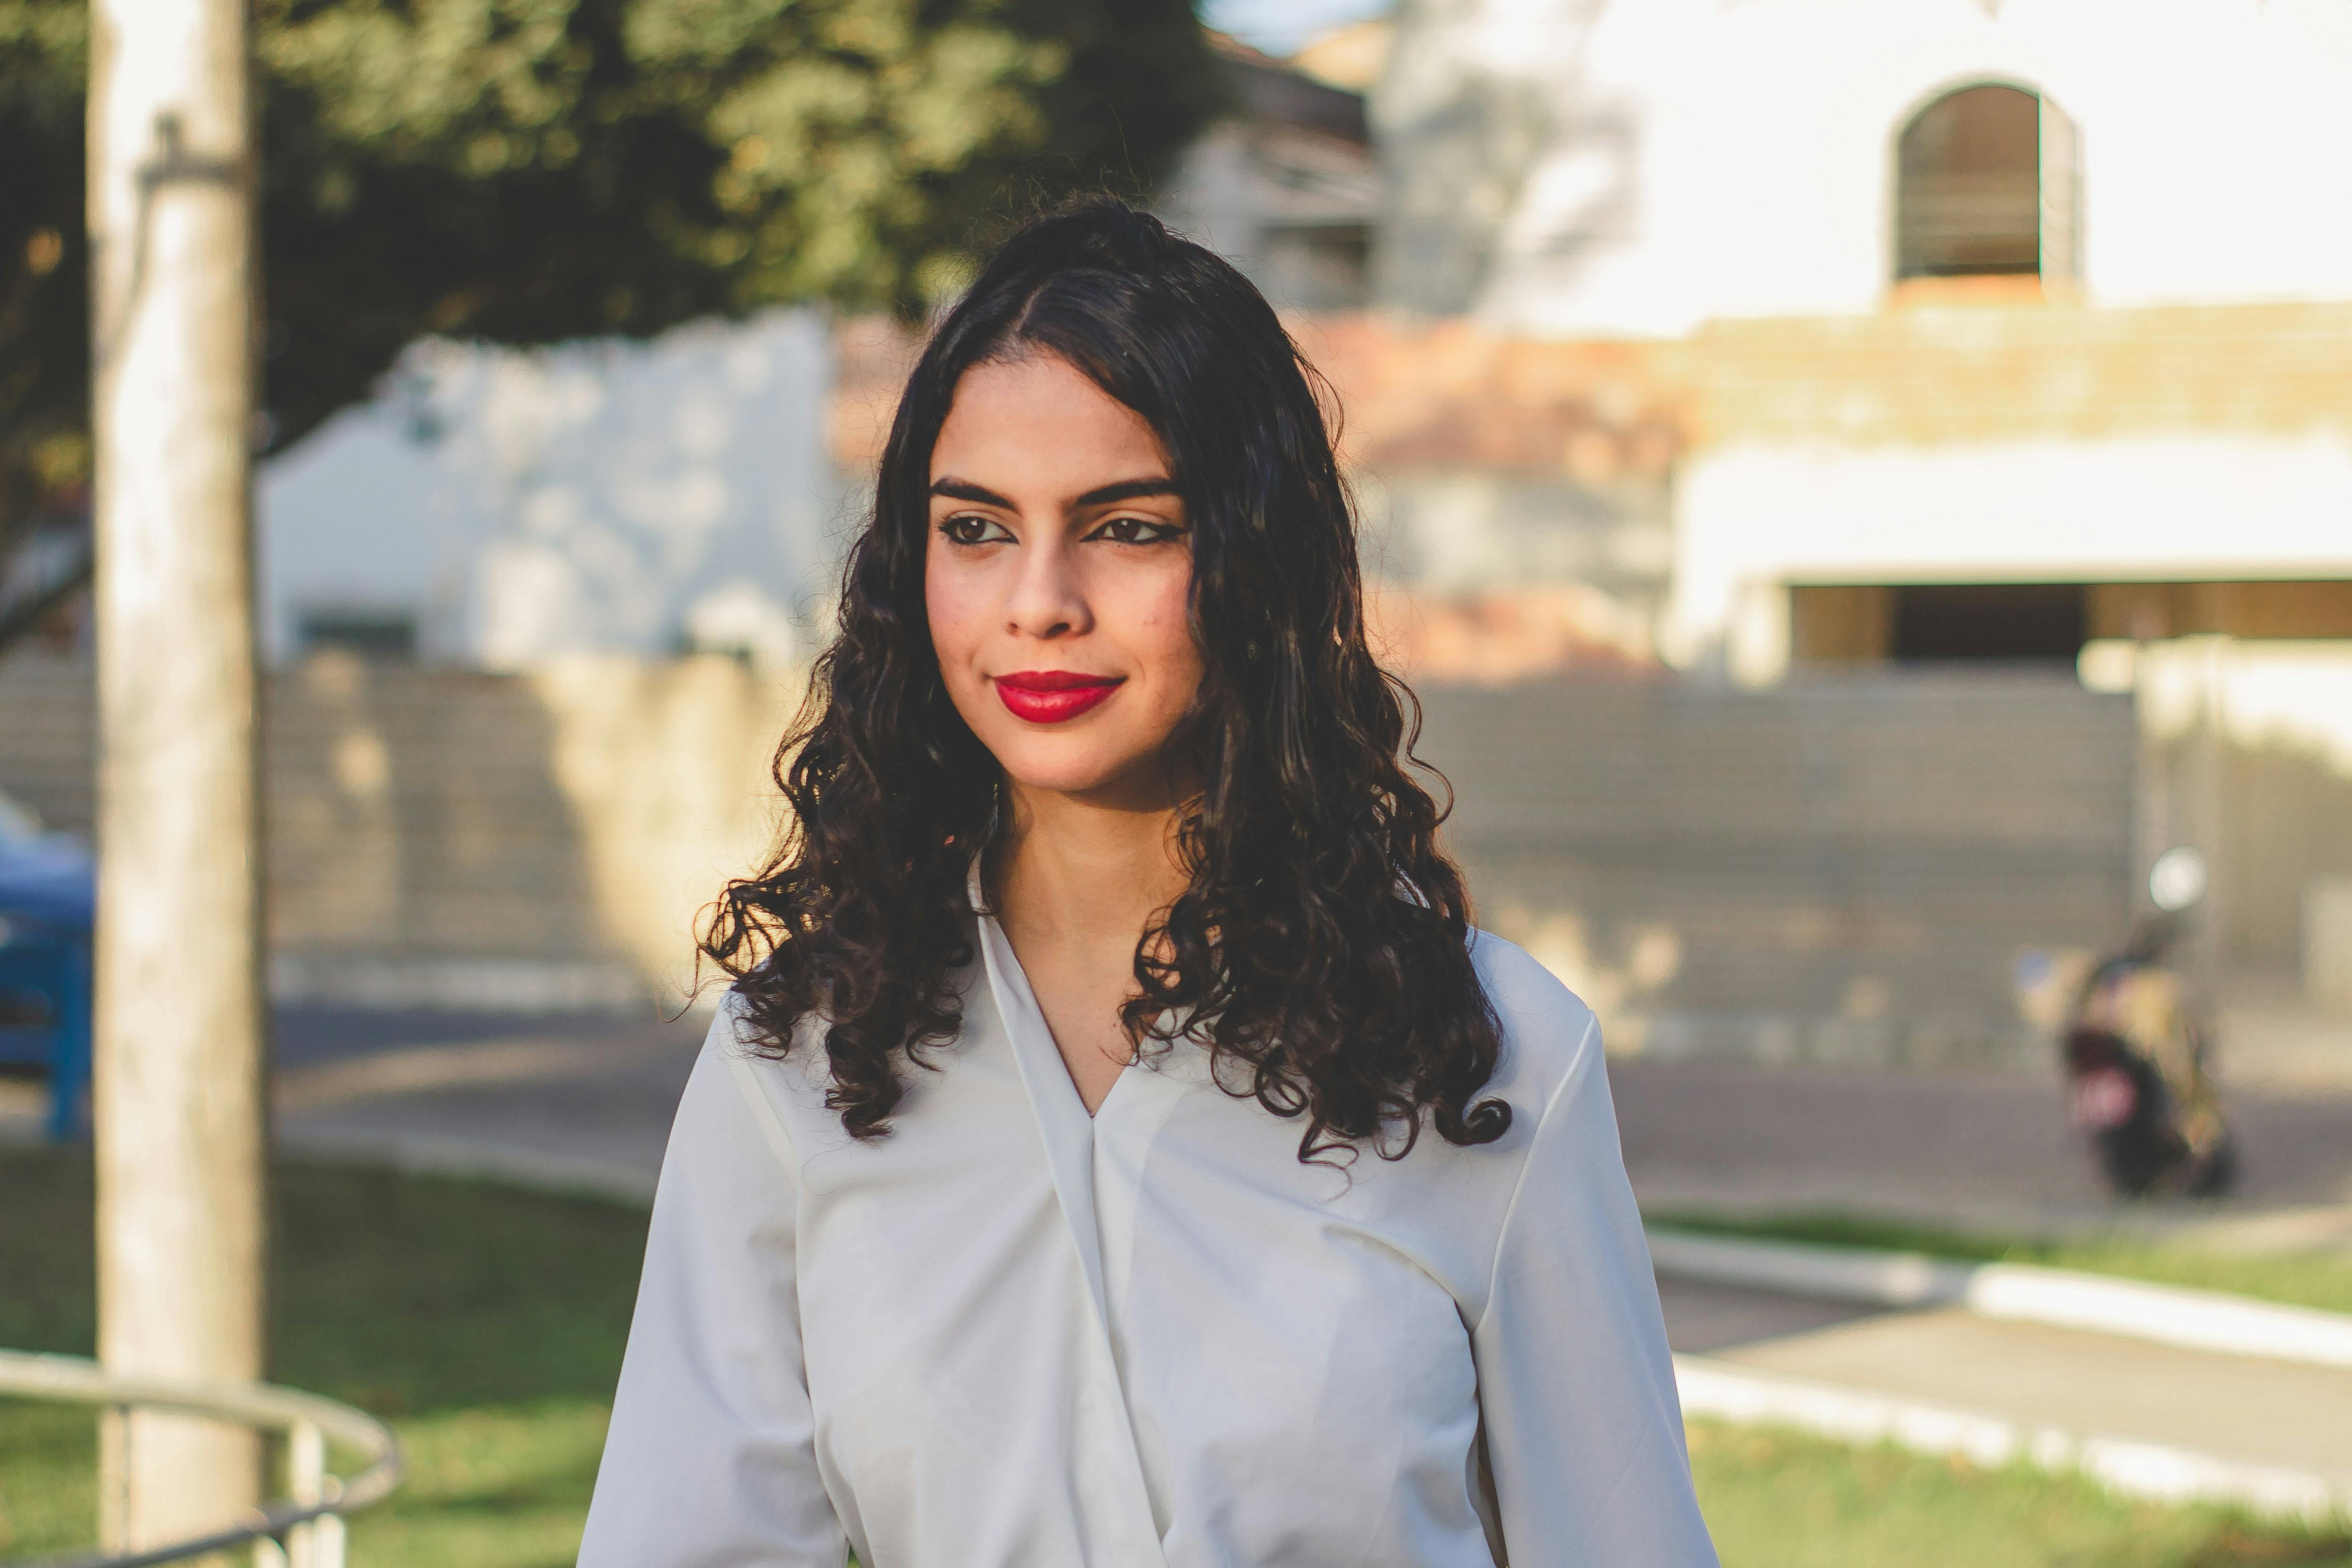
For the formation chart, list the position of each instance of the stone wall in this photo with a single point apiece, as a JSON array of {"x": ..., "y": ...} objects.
[
  {"x": 440, "y": 836},
  {"x": 1843, "y": 867},
  {"x": 1955, "y": 373},
  {"x": 1837, "y": 867}
]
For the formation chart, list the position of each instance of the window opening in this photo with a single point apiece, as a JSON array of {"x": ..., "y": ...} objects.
[{"x": 1986, "y": 184}]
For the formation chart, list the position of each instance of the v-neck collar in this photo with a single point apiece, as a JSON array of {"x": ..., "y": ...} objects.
[
  {"x": 1004, "y": 970},
  {"x": 1068, "y": 1134},
  {"x": 1062, "y": 1118}
]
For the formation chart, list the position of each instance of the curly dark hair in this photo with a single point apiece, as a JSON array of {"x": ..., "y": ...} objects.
[{"x": 1320, "y": 949}]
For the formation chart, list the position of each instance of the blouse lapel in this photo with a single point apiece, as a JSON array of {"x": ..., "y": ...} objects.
[
  {"x": 1062, "y": 1118},
  {"x": 1069, "y": 1135}
]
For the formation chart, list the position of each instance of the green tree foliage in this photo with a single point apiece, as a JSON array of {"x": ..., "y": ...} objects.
[
  {"x": 528, "y": 171},
  {"x": 44, "y": 264}
]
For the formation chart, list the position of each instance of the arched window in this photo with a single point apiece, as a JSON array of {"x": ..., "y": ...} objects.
[{"x": 1985, "y": 184}]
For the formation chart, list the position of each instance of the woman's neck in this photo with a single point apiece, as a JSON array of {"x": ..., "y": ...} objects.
[
  {"x": 1074, "y": 882},
  {"x": 1068, "y": 869}
]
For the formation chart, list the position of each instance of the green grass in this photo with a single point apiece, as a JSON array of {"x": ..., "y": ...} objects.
[
  {"x": 48, "y": 1493},
  {"x": 2321, "y": 1279},
  {"x": 1777, "y": 1498},
  {"x": 487, "y": 1325}
]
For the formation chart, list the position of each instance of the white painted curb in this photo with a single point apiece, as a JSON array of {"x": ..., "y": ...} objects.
[
  {"x": 2136, "y": 1469},
  {"x": 2193, "y": 1319}
]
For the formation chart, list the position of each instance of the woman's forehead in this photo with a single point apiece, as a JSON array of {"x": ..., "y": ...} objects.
[{"x": 1041, "y": 426}]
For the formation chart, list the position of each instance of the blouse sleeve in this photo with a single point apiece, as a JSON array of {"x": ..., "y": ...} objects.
[
  {"x": 710, "y": 1461},
  {"x": 1583, "y": 1427}
]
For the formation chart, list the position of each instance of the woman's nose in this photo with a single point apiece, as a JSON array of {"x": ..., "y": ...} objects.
[{"x": 1047, "y": 598}]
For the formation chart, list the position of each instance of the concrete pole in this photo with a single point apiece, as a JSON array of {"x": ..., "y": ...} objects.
[{"x": 178, "y": 1105}]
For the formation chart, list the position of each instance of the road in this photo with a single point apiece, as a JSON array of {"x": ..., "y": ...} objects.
[{"x": 592, "y": 1096}]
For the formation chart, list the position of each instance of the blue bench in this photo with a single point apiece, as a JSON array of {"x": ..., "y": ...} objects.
[{"x": 47, "y": 897}]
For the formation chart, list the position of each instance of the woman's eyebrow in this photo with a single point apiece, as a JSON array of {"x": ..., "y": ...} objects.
[
  {"x": 1126, "y": 489},
  {"x": 964, "y": 490},
  {"x": 1101, "y": 495}
]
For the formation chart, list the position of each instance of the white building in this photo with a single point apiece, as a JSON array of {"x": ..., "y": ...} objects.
[
  {"x": 495, "y": 508},
  {"x": 2002, "y": 330},
  {"x": 1638, "y": 167},
  {"x": 1975, "y": 291}
]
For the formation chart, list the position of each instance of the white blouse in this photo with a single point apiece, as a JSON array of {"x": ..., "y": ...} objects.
[{"x": 1009, "y": 1335}]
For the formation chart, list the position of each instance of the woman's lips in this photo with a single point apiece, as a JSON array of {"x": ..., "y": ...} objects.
[{"x": 1051, "y": 696}]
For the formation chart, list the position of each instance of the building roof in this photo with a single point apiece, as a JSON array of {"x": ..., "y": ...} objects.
[{"x": 1275, "y": 91}]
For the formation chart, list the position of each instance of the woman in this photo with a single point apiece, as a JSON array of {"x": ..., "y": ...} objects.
[{"x": 1117, "y": 1147}]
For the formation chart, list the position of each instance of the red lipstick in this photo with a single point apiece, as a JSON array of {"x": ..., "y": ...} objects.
[{"x": 1052, "y": 696}]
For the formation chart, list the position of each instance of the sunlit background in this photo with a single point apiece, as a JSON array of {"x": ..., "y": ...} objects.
[{"x": 1854, "y": 482}]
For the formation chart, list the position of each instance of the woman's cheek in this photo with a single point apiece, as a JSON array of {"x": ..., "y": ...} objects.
[
  {"x": 1169, "y": 626},
  {"x": 950, "y": 600}
]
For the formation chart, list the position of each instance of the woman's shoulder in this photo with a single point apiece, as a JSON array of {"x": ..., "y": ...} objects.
[
  {"x": 1549, "y": 1034},
  {"x": 788, "y": 1069},
  {"x": 791, "y": 1083}
]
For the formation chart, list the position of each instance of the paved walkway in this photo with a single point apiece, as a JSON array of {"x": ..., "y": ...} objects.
[
  {"x": 587, "y": 1102},
  {"x": 1980, "y": 1150},
  {"x": 2255, "y": 1412},
  {"x": 584, "y": 1102}
]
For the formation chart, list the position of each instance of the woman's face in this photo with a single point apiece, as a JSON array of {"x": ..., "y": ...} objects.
[{"x": 1058, "y": 579}]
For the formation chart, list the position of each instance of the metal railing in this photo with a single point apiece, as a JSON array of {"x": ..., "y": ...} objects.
[{"x": 302, "y": 1530}]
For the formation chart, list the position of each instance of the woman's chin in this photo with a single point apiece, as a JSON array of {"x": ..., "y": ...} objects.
[{"x": 1090, "y": 775}]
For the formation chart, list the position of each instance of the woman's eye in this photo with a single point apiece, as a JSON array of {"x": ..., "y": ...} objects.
[
  {"x": 968, "y": 528},
  {"x": 1137, "y": 531}
]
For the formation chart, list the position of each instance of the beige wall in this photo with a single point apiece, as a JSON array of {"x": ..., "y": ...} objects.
[
  {"x": 2246, "y": 727},
  {"x": 1840, "y": 867},
  {"x": 438, "y": 836},
  {"x": 1843, "y": 866}
]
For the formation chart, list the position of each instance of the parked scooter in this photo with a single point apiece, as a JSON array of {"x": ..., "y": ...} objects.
[{"x": 2139, "y": 1077}]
